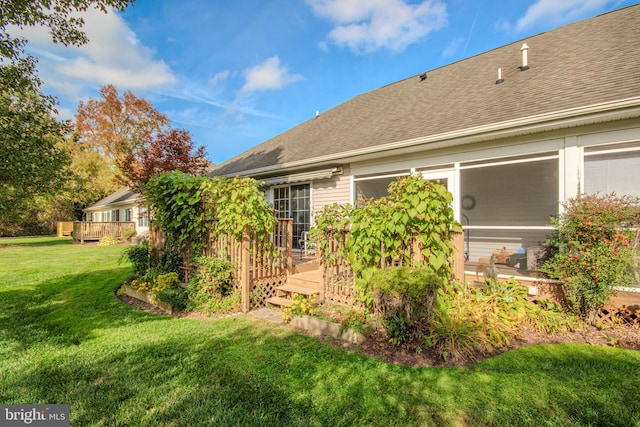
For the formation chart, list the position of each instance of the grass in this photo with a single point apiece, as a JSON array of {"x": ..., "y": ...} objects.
[{"x": 65, "y": 338}]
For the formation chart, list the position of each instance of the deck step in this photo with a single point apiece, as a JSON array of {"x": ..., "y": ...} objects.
[
  {"x": 279, "y": 301},
  {"x": 293, "y": 289}
]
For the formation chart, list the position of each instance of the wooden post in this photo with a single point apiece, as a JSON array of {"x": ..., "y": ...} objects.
[
  {"x": 458, "y": 256},
  {"x": 289, "y": 245},
  {"x": 245, "y": 273}
]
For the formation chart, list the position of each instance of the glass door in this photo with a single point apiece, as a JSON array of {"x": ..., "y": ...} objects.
[{"x": 294, "y": 202}]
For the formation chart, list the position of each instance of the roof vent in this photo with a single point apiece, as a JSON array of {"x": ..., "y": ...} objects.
[
  {"x": 423, "y": 76},
  {"x": 500, "y": 79},
  {"x": 525, "y": 57}
]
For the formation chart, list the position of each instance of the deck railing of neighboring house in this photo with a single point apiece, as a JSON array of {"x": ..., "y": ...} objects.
[
  {"x": 64, "y": 228},
  {"x": 89, "y": 230},
  {"x": 338, "y": 279}
]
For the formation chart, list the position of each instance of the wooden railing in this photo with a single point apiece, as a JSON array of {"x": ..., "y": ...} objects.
[
  {"x": 89, "y": 230},
  {"x": 338, "y": 278},
  {"x": 64, "y": 228},
  {"x": 261, "y": 262}
]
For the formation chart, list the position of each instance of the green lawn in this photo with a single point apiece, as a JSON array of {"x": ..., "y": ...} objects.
[{"x": 65, "y": 338}]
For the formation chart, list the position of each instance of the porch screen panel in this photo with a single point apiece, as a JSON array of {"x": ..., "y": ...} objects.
[
  {"x": 373, "y": 188},
  {"x": 519, "y": 194},
  {"x": 612, "y": 172}
]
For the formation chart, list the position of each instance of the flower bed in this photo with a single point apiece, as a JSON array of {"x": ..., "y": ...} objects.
[{"x": 148, "y": 298}]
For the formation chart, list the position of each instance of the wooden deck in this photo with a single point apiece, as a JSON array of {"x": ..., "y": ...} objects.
[{"x": 91, "y": 231}]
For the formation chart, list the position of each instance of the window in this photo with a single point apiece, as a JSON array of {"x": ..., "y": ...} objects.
[
  {"x": 508, "y": 203},
  {"x": 115, "y": 215},
  {"x": 89, "y": 216},
  {"x": 281, "y": 202},
  {"x": 105, "y": 217},
  {"x": 294, "y": 202},
  {"x": 612, "y": 169},
  {"x": 143, "y": 217},
  {"x": 127, "y": 215}
]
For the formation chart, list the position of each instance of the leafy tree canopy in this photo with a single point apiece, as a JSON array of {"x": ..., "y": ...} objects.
[
  {"x": 173, "y": 150},
  {"x": 54, "y": 14}
]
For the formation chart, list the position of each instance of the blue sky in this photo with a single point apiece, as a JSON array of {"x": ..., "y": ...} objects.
[{"x": 236, "y": 73}]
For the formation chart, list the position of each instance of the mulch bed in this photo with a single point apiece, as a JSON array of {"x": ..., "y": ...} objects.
[{"x": 378, "y": 347}]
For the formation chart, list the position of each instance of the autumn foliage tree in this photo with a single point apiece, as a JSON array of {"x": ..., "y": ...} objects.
[
  {"x": 111, "y": 129},
  {"x": 173, "y": 150}
]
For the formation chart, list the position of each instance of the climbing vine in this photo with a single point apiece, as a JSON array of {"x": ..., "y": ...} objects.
[
  {"x": 187, "y": 208},
  {"x": 412, "y": 225}
]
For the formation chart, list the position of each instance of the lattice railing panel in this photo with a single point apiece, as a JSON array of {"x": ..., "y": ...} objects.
[
  {"x": 625, "y": 314},
  {"x": 263, "y": 289}
]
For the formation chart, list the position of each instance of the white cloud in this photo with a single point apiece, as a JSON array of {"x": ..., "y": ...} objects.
[
  {"x": 219, "y": 77},
  {"x": 558, "y": 12},
  {"x": 114, "y": 55},
  {"x": 268, "y": 75},
  {"x": 368, "y": 25}
]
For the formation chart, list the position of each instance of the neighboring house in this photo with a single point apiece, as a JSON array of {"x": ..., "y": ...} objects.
[
  {"x": 121, "y": 206},
  {"x": 562, "y": 120}
]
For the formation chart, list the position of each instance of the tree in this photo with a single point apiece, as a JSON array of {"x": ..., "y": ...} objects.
[
  {"x": 115, "y": 127},
  {"x": 32, "y": 160},
  {"x": 54, "y": 14},
  {"x": 173, "y": 150}
]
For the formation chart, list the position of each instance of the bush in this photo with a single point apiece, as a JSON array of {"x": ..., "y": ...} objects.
[
  {"x": 128, "y": 235},
  {"x": 178, "y": 298},
  {"x": 138, "y": 255},
  {"x": 211, "y": 287},
  {"x": 108, "y": 241},
  {"x": 167, "y": 281},
  {"x": 404, "y": 297},
  {"x": 594, "y": 250},
  {"x": 468, "y": 319}
]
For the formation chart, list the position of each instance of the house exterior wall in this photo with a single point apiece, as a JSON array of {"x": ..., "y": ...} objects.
[
  {"x": 336, "y": 189},
  {"x": 504, "y": 175}
]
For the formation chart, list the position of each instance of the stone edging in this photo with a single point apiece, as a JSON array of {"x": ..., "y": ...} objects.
[{"x": 324, "y": 327}]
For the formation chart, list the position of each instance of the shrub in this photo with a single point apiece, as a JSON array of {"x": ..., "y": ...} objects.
[
  {"x": 355, "y": 320},
  {"x": 138, "y": 255},
  {"x": 300, "y": 306},
  {"x": 178, "y": 298},
  {"x": 211, "y": 287},
  {"x": 108, "y": 241},
  {"x": 128, "y": 235},
  {"x": 594, "y": 250},
  {"x": 404, "y": 297},
  {"x": 167, "y": 281},
  {"x": 468, "y": 319}
]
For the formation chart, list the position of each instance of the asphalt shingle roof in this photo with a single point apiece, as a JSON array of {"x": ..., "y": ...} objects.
[{"x": 585, "y": 63}]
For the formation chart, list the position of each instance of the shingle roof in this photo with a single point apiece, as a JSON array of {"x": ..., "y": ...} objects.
[
  {"x": 119, "y": 197},
  {"x": 585, "y": 63}
]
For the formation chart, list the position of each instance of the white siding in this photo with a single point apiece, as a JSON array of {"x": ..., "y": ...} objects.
[{"x": 334, "y": 190}]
